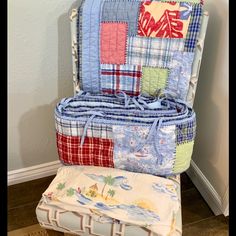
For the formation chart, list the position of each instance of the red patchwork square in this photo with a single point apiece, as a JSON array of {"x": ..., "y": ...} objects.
[
  {"x": 113, "y": 42},
  {"x": 95, "y": 151}
]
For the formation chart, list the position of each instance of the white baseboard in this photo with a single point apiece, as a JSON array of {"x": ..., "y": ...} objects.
[
  {"x": 226, "y": 203},
  {"x": 208, "y": 192},
  {"x": 33, "y": 172}
]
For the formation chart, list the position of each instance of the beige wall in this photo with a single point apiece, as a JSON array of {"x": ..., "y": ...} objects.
[
  {"x": 211, "y": 102},
  {"x": 39, "y": 74}
]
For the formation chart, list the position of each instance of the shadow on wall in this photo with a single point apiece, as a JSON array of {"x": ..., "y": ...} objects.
[
  {"x": 207, "y": 111},
  {"x": 64, "y": 51},
  {"x": 37, "y": 126},
  {"x": 37, "y": 135}
]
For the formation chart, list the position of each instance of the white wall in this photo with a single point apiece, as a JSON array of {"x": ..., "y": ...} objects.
[
  {"x": 211, "y": 102},
  {"x": 39, "y": 75}
]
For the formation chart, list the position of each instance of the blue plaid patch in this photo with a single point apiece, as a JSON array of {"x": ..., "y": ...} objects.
[
  {"x": 186, "y": 132},
  {"x": 116, "y": 78},
  {"x": 152, "y": 51},
  {"x": 194, "y": 28}
]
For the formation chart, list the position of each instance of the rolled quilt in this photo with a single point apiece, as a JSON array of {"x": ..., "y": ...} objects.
[
  {"x": 138, "y": 134},
  {"x": 116, "y": 194}
]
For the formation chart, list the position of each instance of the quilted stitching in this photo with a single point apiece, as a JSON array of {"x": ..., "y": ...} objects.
[
  {"x": 79, "y": 42},
  {"x": 90, "y": 41},
  {"x": 113, "y": 43},
  {"x": 122, "y": 11},
  {"x": 116, "y": 78},
  {"x": 183, "y": 150},
  {"x": 186, "y": 132},
  {"x": 193, "y": 29},
  {"x": 153, "y": 79},
  {"x": 152, "y": 51},
  {"x": 180, "y": 73},
  {"x": 137, "y": 33},
  {"x": 95, "y": 151}
]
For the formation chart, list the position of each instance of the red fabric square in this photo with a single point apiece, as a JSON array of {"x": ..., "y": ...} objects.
[{"x": 113, "y": 42}]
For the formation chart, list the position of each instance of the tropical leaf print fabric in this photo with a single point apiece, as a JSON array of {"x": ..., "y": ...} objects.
[{"x": 164, "y": 20}]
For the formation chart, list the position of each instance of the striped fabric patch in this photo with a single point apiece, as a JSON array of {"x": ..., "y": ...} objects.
[
  {"x": 194, "y": 28},
  {"x": 116, "y": 78},
  {"x": 95, "y": 151},
  {"x": 152, "y": 51}
]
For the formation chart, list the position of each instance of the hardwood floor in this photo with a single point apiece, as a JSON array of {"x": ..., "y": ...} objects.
[{"x": 197, "y": 217}]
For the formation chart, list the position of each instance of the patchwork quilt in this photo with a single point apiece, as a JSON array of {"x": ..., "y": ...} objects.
[
  {"x": 136, "y": 46},
  {"x": 144, "y": 134}
]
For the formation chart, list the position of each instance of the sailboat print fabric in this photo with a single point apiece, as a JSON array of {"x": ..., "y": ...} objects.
[
  {"x": 132, "y": 36},
  {"x": 115, "y": 193}
]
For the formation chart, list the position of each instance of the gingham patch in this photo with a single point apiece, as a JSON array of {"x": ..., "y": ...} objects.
[
  {"x": 194, "y": 28},
  {"x": 186, "y": 132},
  {"x": 94, "y": 151}
]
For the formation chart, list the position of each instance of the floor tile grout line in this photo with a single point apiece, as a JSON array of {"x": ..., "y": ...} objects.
[
  {"x": 197, "y": 221},
  {"x": 183, "y": 191},
  {"x": 23, "y": 205}
]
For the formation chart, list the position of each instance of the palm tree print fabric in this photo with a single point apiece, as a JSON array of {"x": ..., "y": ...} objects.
[{"x": 116, "y": 194}]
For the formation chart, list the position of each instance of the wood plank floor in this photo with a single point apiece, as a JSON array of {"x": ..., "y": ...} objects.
[{"x": 197, "y": 217}]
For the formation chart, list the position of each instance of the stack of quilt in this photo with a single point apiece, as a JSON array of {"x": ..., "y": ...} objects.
[{"x": 129, "y": 132}]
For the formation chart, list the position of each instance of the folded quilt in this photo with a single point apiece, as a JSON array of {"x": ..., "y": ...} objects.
[
  {"x": 142, "y": 134},
  {"x": 116, "y": 194},
  {"x": 137, "y": 46}
]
